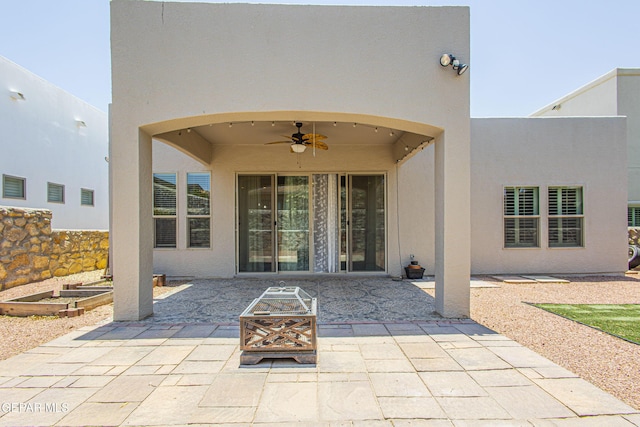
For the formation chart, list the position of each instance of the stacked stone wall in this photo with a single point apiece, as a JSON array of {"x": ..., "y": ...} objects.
[{"x": 30, "y": 250}]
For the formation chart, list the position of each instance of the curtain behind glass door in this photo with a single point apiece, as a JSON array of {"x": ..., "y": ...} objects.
[{"x": 293, "y": 223}]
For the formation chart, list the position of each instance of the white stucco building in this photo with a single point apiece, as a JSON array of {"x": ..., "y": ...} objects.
[
  {"x": 199, "y": 90},
  {"x": 54, "y": 147},
  {"x": 616, "y": 93}
]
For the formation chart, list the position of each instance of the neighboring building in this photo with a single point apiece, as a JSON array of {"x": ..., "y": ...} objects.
[
  {"x": 54, "y": 151},
  {"x": 617, "y": 93},
  {"x": 198, "y": 192}
]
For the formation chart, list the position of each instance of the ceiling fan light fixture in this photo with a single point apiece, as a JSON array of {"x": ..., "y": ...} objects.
[{"x": 298, "y": 148}]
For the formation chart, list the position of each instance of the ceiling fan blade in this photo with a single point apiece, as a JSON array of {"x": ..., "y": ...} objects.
[
  {"x": 278, "y": 142},
  {"x": 319, "y": 145},
  {"x": 309, "y": 136}
]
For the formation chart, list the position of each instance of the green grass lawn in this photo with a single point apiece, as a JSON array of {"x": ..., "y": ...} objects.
[{"x": 621, "y": 320}]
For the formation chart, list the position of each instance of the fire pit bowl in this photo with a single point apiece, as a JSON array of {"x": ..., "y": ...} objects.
[{"x": 281, "y": 323}]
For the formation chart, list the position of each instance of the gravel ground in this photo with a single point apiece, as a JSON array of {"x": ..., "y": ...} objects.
[
  {"x": 18, "y": 334},
  {"x": 608, "y": 362}
]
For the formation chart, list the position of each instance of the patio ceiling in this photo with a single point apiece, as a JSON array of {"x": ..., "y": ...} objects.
[{"x": 261, "y": 132}]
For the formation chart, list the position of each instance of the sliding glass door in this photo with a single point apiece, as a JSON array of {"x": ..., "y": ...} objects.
[
  {"x": 255, "y": 223},
  {"x": 367, "y": 223},
  {"x": 324, "y": 223}
]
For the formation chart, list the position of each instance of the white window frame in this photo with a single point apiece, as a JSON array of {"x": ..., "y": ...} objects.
[
  {"x": 4, "y": 187},
  {"x": 633, "y": 215},
  {"x": 61, "y": 186},
  {"x": 159, "y": 216},
  {"x": 517, "y": 216},
  {"x": 556, "y": 216},
  {"x": 193, "y": 216}
]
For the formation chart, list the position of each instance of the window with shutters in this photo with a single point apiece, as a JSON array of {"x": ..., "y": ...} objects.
[
  {"x": 55, "y": 193},
  {"x": 199, "y": 210},
  {"x": 14, "y": 187},
  {"x": 521, "y": 217},
  {"x": 86, "y": 197},
  {"x": 565, "y": 217},
  {"x": 633, "y": 216},
  {"x": 164, "y": 209}
]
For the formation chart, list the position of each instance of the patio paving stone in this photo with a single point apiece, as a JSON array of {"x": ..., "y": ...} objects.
[
  {"x": 477, "y": 359},
  {"x": 167, "y": 406},
  {"x": 166, "y": 355},
  {"x": 235, "y": 390},
  {"x": 292, "y": 402},
  {"x": 347, "y": 401},
  {"x": 110, "y": 414},
  {"x": 583, "y": 397},
  {"x": 474, "y": 408},
  {"x": 524, "y": 402},
  {"x": 134, "y": 388},
  {"x": 411, "y": 407},
  {"x": 398, "y": 384},
  {"x": 500, "y": 378},
  {"x": 458, "y": 384},
  {"x": 122, "y": 356},
  {"x": 425, "y": 371}
]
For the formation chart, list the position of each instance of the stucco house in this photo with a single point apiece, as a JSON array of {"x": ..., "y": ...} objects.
[
  {"x": 242, "y": 146},
  {"x": 54, "y": 149}
]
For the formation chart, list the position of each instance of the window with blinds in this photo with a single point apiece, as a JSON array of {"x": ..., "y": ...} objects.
[
  {"x": 566, "y": 216},
  {"x": 86, "y": 197},
  {"x": 13, "y": 187},
  {"x": 521, "y": 217},
  {"x": 164, "y": 209},
  {"x": 55, "y": 193},
  {"x": 633, "y": 216},
  {"x": 199, "y": 210}
]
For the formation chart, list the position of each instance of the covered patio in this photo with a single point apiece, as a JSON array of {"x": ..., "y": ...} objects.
[{"x": 340, "y": 300}]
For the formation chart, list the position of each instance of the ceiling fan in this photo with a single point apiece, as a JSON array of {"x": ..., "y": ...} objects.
[{"x": 300, "y": 141}]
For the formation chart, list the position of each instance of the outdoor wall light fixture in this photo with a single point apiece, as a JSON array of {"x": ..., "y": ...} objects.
[
  {"x": 80, "y": 123},
  {"x": 448, "y": 59},
  {"x": 18, "y": 96}
]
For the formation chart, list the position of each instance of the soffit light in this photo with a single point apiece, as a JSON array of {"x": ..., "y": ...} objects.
[
  {"x": 18, "y": 96},
  {"x": 448, "y": 59}
]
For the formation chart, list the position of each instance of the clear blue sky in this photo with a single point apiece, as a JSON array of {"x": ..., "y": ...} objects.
[{"x": 524, "y": 53}]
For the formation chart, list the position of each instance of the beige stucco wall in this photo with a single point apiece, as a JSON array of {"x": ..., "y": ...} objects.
[
  {"x": 179, "y": 65},
  {"x": 413, "y": 196},
  {"x": 588, "y": 152}
]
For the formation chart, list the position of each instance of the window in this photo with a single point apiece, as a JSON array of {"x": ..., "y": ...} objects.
[
  {"x": 86, "y": 197},
  {"x": 199, "y": 210},
  {"x": 565, "y": 217},
  {"x": 521, "y": 217},
  {"x": 55, "y": 193},
  {"x": 164, "y": 210},
  {"x": 13, "y": 187},
  {"x": 633, "y": 216}
]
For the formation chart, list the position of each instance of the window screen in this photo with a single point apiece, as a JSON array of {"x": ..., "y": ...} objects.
[
  {"x": 13, "y": 187},
  {"x": 55, "y": 193}
]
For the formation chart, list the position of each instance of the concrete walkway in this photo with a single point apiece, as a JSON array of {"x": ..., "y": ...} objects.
[{"x": 431, "y": 373}]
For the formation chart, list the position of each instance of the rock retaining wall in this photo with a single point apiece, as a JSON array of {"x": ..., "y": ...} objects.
[
  {"x": 30, "y": 250},
  {"x": 634, "y": 236}
]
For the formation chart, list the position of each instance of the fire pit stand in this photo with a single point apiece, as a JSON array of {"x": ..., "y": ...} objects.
[{"x": 281, "y": 323}]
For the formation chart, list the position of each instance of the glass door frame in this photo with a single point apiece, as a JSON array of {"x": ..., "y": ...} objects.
[
  {"x": 342, "y": 228},
  {"x": 274, "y": 224}
]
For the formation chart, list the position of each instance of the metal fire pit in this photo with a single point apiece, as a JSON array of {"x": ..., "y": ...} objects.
[{"x": 281, "y": 323}]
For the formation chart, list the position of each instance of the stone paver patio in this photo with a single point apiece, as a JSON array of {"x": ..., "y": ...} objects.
[{"x": 431, "y": 372}]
